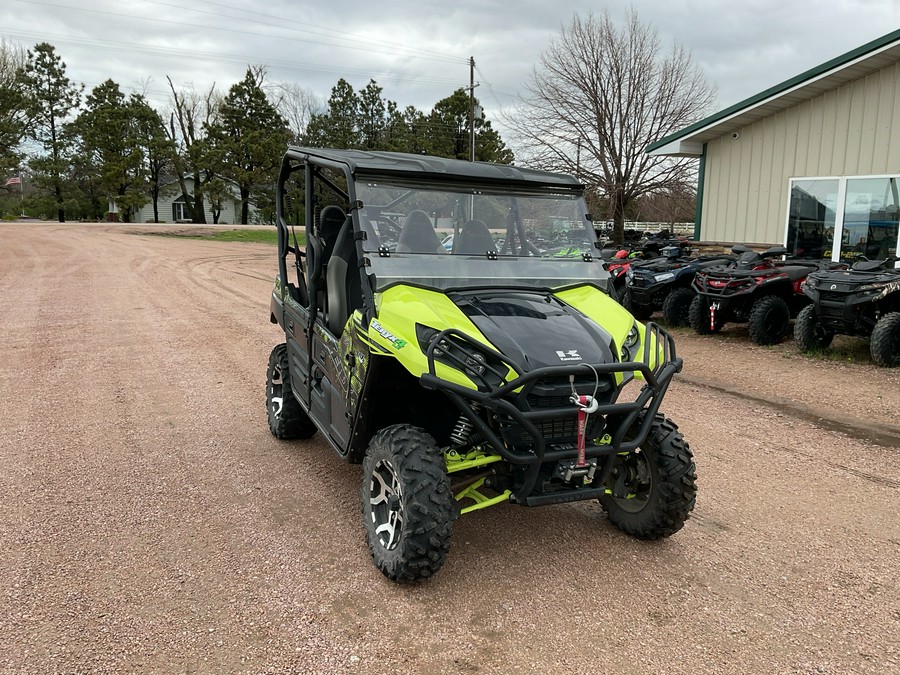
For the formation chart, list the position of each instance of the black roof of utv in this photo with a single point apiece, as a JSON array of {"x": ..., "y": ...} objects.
[{"x": 399, "y": 164}]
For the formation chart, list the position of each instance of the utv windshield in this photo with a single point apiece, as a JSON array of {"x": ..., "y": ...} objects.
[{"x": 446, "y": 237}]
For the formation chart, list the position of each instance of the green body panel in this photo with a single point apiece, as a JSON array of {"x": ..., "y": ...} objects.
[
  {"x": 400, "y": 308},
  {"x": 606, "y": 312}
]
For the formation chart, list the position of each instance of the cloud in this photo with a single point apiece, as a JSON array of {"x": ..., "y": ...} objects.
[{"x": 418, "y": 52}]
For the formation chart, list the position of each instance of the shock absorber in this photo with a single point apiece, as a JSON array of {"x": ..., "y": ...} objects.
[{"x": 463, "y": 428}]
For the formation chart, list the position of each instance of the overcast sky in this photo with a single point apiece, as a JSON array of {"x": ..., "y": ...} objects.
[{"x": 418, "y": 51}]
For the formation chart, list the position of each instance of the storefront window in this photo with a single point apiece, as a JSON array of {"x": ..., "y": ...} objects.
[
  {"x": 871, "y": 212},
  {"x": 844, "y": 218},
  {"x": 811, "y": 220}
]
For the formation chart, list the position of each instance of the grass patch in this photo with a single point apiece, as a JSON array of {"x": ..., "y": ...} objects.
[
  {"x": 252, "y": 236},
  {"x": 844, "y": 348},
  {"x": 255, "y": 236}
]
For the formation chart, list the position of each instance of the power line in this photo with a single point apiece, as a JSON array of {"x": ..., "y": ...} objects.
[
  {"x": 110, "y": 45},
  {"x": 208, "y": 27},
  {"x": 310, "y": 28}
]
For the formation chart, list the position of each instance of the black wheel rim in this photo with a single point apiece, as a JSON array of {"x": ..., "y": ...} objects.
[
  {"x": 631, "y": 482},
  {"x": 773, "y": 323},
  {"x": 385, "y": 500},
  {"x": 894, "y": 356},
  {"x": 276, "y": 387}
]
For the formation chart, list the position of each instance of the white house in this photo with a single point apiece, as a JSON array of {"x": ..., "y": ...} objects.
[{"x": 172, "y": 207}]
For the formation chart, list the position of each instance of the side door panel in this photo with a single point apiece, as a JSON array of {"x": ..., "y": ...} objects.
[
  {"x": 327, "y": 394},
  {"x": 296, "y": 319}
]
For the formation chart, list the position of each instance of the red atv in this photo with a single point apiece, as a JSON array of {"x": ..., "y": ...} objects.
[{"x": 756, "y": 289}]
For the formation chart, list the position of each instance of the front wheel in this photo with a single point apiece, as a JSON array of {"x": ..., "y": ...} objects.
[
  {"x": 677, "y": 306},
  {"x": 651, "y": 493},
  {"x": 885, "y": 341},
  {"x": 809, "y": 333},
  {"x": 407, "y": 505},
  {"x": 770, "y": 320},
  {"x": 287, "y": 420}
]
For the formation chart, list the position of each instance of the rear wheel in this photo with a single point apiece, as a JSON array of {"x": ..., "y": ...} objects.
[
  {"x": 770, "y": 320},
  {"x": 809, "y": 333},
  {"x": 637, "y": 310},
  {"x": 698, "y": 316},
  {"x": 885, "y": 342},
  {"x": 287, "y": 419},
  {"x": 677, "y": 306},
  {"x": 651, "y": 493},
  {"x": 408, "y": 508}
]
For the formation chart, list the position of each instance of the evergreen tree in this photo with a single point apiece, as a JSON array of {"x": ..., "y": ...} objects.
[
  {"x": 448, "y": 132},
  {"x": 250, "y": 136},
  {"x": 339, "y": 126},
  {"x": 50, "y": 97},
  {"x": 112, "y": 146}
]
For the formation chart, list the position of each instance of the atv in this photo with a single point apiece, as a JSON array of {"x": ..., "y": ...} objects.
[
  {"x": 489, "y": 374},
  {"x": 664, "y": 283},
  {"x": 755, "y": 289},
  {"x": 863, "y": 301},
  {"x": 619, "y": 260}
]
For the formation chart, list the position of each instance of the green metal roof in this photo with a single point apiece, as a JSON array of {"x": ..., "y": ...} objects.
[{"x": 853, "y": 65}]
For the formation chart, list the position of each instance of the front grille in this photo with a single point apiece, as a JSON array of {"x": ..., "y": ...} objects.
[
  {"x": 831, "y": 296},
  {"x": 550, "y": 394}
]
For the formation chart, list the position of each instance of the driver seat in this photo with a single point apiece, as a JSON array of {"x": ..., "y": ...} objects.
[
  {"x": 475, "y": 239},
  {"x": 418, "y": 235},
  {"x": 343, "y": 283}
]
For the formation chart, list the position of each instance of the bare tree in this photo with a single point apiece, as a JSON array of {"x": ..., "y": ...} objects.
[
  {"x": 296, "y": 105},
  {"x": 599, "y": 97},
  {"x": 192, "y": 114}
]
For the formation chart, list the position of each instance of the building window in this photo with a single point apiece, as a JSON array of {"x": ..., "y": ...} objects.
[
  {"x": 179, "y": 211},
  {"x": 842, "y": 218}
]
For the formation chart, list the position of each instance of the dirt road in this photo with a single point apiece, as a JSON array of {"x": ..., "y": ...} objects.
[{"x": 150, "y": 523}]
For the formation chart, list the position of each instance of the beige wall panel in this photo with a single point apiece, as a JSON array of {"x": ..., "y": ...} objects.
[
  {"x": 852, "y": 130},
  {"x": 869, "y": 124},
  {"x": 892, "y": 129},
  {"x": 856, "y": 105}
]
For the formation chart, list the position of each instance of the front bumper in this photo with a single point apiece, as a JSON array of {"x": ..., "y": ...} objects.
[{"x": 516, "y": 431}]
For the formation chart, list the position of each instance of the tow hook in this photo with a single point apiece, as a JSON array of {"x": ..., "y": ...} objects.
[
  {"x": 712, "y": 315},
  {"x": 569, "y": 469}
]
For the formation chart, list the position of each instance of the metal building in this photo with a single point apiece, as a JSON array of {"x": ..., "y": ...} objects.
[{"x": 813, "y": 162}]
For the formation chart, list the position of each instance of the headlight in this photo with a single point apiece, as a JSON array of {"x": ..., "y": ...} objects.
[
  {"x": 475, "y": 364},
  {"x": 810, "y": 282},
  {"x": 632, "y": 338}
]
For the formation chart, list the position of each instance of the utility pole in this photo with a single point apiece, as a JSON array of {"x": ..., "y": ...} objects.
[{"x": 472, "y": 86}]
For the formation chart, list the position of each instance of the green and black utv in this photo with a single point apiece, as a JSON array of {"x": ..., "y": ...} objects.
[{"x": 448, "y": 325}]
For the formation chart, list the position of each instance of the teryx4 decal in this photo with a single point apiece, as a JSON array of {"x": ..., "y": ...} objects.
[{"x": 387, "y": 335}]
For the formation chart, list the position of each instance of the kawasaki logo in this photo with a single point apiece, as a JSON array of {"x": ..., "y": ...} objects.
[{"x": 569, "y": 355}]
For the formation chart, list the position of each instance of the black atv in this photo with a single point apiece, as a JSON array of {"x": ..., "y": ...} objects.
[
  {"x": 863, "y": 301},
  {"x": 494, "y": 372},
  {"x": 755, "y": 289},
  {"x": 664, "y": 283},
  {"x": 618, "y": 260}
]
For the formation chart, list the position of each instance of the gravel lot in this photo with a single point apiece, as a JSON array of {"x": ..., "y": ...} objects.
[{"x": 149, "y": 522}]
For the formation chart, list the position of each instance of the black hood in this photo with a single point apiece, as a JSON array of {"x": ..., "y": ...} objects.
[{"x": 536, "y": 329}]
